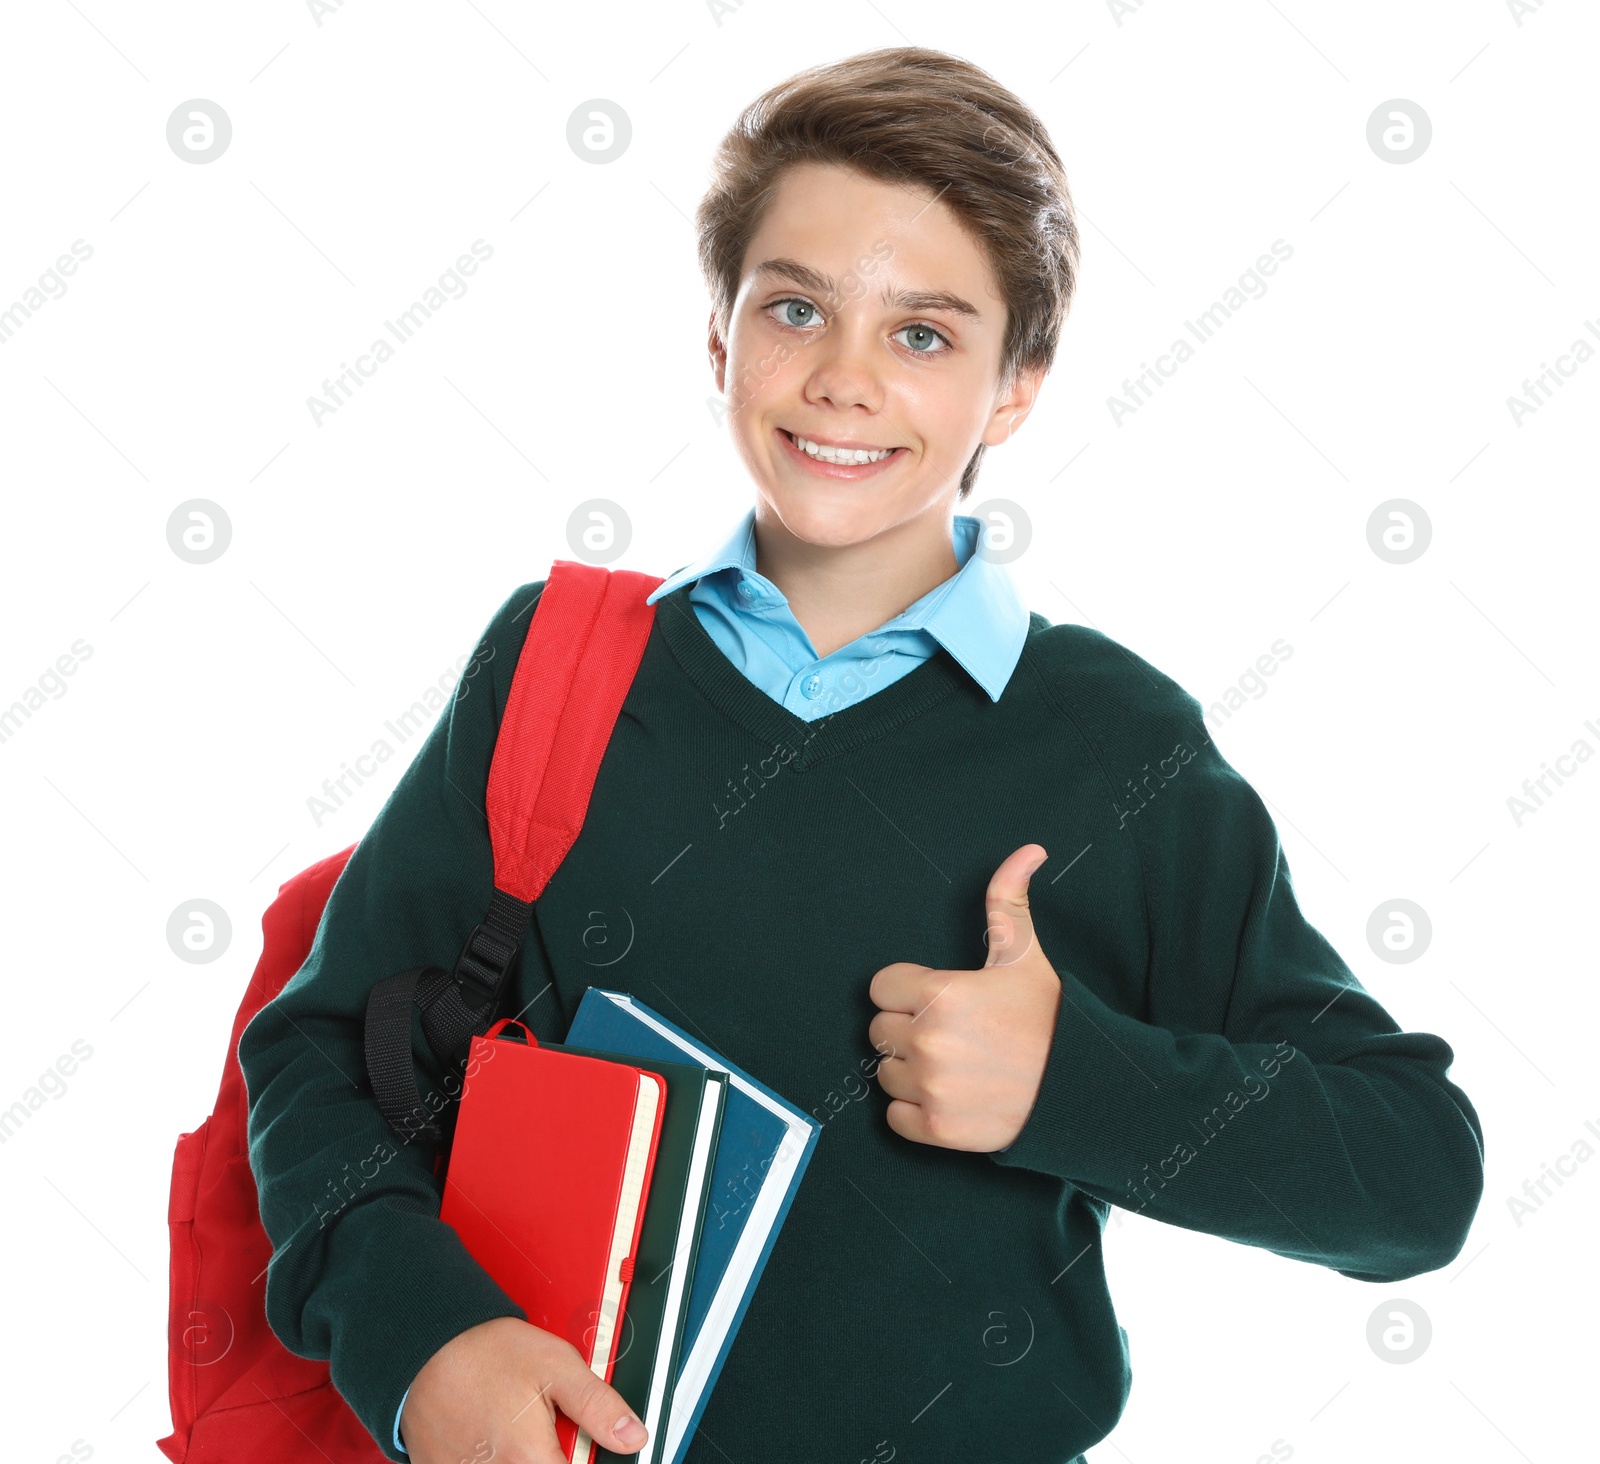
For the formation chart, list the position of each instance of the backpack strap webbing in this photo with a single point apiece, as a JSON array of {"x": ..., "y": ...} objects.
[{"x": 578, "y": 660}]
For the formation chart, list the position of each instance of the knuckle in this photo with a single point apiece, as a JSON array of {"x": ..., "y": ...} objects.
[{"x": 591, "y": 1399}]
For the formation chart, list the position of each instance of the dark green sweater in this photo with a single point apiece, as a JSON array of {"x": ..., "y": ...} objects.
[{"x": 1215, "y": 1063}]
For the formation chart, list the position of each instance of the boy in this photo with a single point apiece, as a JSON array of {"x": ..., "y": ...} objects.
[{"x": 846, "y": 753}]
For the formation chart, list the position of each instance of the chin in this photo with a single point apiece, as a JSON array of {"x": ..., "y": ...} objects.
[{"x": 829, "y": 520}]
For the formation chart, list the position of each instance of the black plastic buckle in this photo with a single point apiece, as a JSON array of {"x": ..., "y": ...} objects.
[{"x": 482, "y": 965}]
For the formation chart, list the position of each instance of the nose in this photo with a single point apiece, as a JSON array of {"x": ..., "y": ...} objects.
[{"x": 846, "y": 369}]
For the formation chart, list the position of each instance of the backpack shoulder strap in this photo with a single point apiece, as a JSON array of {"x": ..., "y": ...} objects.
[
  {"x": 591, "y": 626},
  {"x": 581, "y": 653}
]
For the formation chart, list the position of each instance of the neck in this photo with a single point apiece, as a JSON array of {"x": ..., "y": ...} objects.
[{"x": 840, "y": 592}]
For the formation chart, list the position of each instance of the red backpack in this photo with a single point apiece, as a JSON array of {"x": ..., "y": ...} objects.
[{"x": 238, "y": 1395}]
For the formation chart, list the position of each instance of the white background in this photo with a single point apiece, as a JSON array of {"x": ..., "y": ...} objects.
[{"x": 368, "y": 553}]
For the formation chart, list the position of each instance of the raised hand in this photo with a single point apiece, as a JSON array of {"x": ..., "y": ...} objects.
[{"x": 967, "y": 1049}]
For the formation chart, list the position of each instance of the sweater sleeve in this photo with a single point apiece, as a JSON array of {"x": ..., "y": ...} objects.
[
  {"x": 363, "y": 1271},
  {"x": 1294, "y": 1114}
]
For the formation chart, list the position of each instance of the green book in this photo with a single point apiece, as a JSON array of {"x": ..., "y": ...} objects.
[{"x": 657, "y": 1308}]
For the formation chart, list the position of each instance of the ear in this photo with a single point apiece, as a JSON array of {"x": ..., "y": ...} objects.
[
  {"x": 717, "y": 350},
  {"x": 1011, "y": 410}
]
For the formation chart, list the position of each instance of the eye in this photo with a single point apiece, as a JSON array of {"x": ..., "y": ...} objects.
[
  {"x": 798, "y": 313},
  {"x": 924, "y": 331}
]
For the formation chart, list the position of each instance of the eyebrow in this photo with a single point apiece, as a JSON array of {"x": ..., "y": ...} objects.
[{"x": 824, "y": 284}]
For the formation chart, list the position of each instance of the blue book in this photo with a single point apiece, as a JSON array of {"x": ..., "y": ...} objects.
[{"x": 765, "y": 1145}]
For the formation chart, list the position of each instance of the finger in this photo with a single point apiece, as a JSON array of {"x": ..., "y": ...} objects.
[
  {"x": 890, "y": 1034},
  {"x": 1008, "y": 929},
  {"x": 898, "y": 1078},
  {"x": 592, "y": 1403},
  {"x": 909, "y": 1121},
  {"x": 899, "y": 987}
]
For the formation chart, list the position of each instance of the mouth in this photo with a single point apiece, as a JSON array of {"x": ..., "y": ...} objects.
[{"x": 833, "y": 460}]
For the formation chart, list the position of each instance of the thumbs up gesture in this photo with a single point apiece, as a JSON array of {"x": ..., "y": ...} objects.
[{"x": 965, "y": 1051}]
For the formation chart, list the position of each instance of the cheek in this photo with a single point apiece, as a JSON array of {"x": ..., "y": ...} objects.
[
  {"x": 944, "y": 411},
  {"x": 762, "y": 358},
  {"x": 753, "y": 388}
]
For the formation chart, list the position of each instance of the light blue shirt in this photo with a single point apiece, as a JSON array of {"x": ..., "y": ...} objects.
[{"x": 975, "y": 615}]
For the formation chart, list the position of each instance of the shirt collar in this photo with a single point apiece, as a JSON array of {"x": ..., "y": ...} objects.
[
  {"x": 738, "y": 551},
  {"x": 975, "y": 615}
]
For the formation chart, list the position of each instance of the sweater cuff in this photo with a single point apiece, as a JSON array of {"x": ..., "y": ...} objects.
[
  {"x": 407, "y": 1285},
  {"x": 1076, "y": 1122}
]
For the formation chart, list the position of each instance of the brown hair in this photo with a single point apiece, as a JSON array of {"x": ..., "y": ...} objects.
[{"x": 910, "y": 115}]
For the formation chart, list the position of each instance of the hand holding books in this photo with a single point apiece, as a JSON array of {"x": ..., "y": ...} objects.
[
  {"x": 581, "y": 1179},
  {"x": 549, "y": 1175},
  {"x": 494, "y": 1391}
]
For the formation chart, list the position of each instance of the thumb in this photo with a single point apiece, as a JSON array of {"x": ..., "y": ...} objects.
[
  {"x": 1009, "y": 929},
  {"x": 595, "y": 1406}
]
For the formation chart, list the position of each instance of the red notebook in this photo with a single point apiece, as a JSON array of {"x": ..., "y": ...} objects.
[{"x": 549, "y": 1173}]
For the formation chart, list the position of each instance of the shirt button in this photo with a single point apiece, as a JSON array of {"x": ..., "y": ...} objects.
[
  {"x": 812, "y": 686},
  {"x": 747, "y": 591}
]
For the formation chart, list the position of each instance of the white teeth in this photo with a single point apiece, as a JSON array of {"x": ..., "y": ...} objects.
[{"x": 851, "y": 456}]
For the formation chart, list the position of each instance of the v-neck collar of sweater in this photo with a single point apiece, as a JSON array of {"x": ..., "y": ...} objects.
[{"x": 737, "y": 698}]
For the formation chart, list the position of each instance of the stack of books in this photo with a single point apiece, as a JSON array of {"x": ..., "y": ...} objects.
[{"x": 625, "y": 1188}]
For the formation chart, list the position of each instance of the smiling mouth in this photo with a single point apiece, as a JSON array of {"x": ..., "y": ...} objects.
[{"x": 843, "y": 457}]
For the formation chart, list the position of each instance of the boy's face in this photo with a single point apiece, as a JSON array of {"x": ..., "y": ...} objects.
[{"x": 866, "y": 316}]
